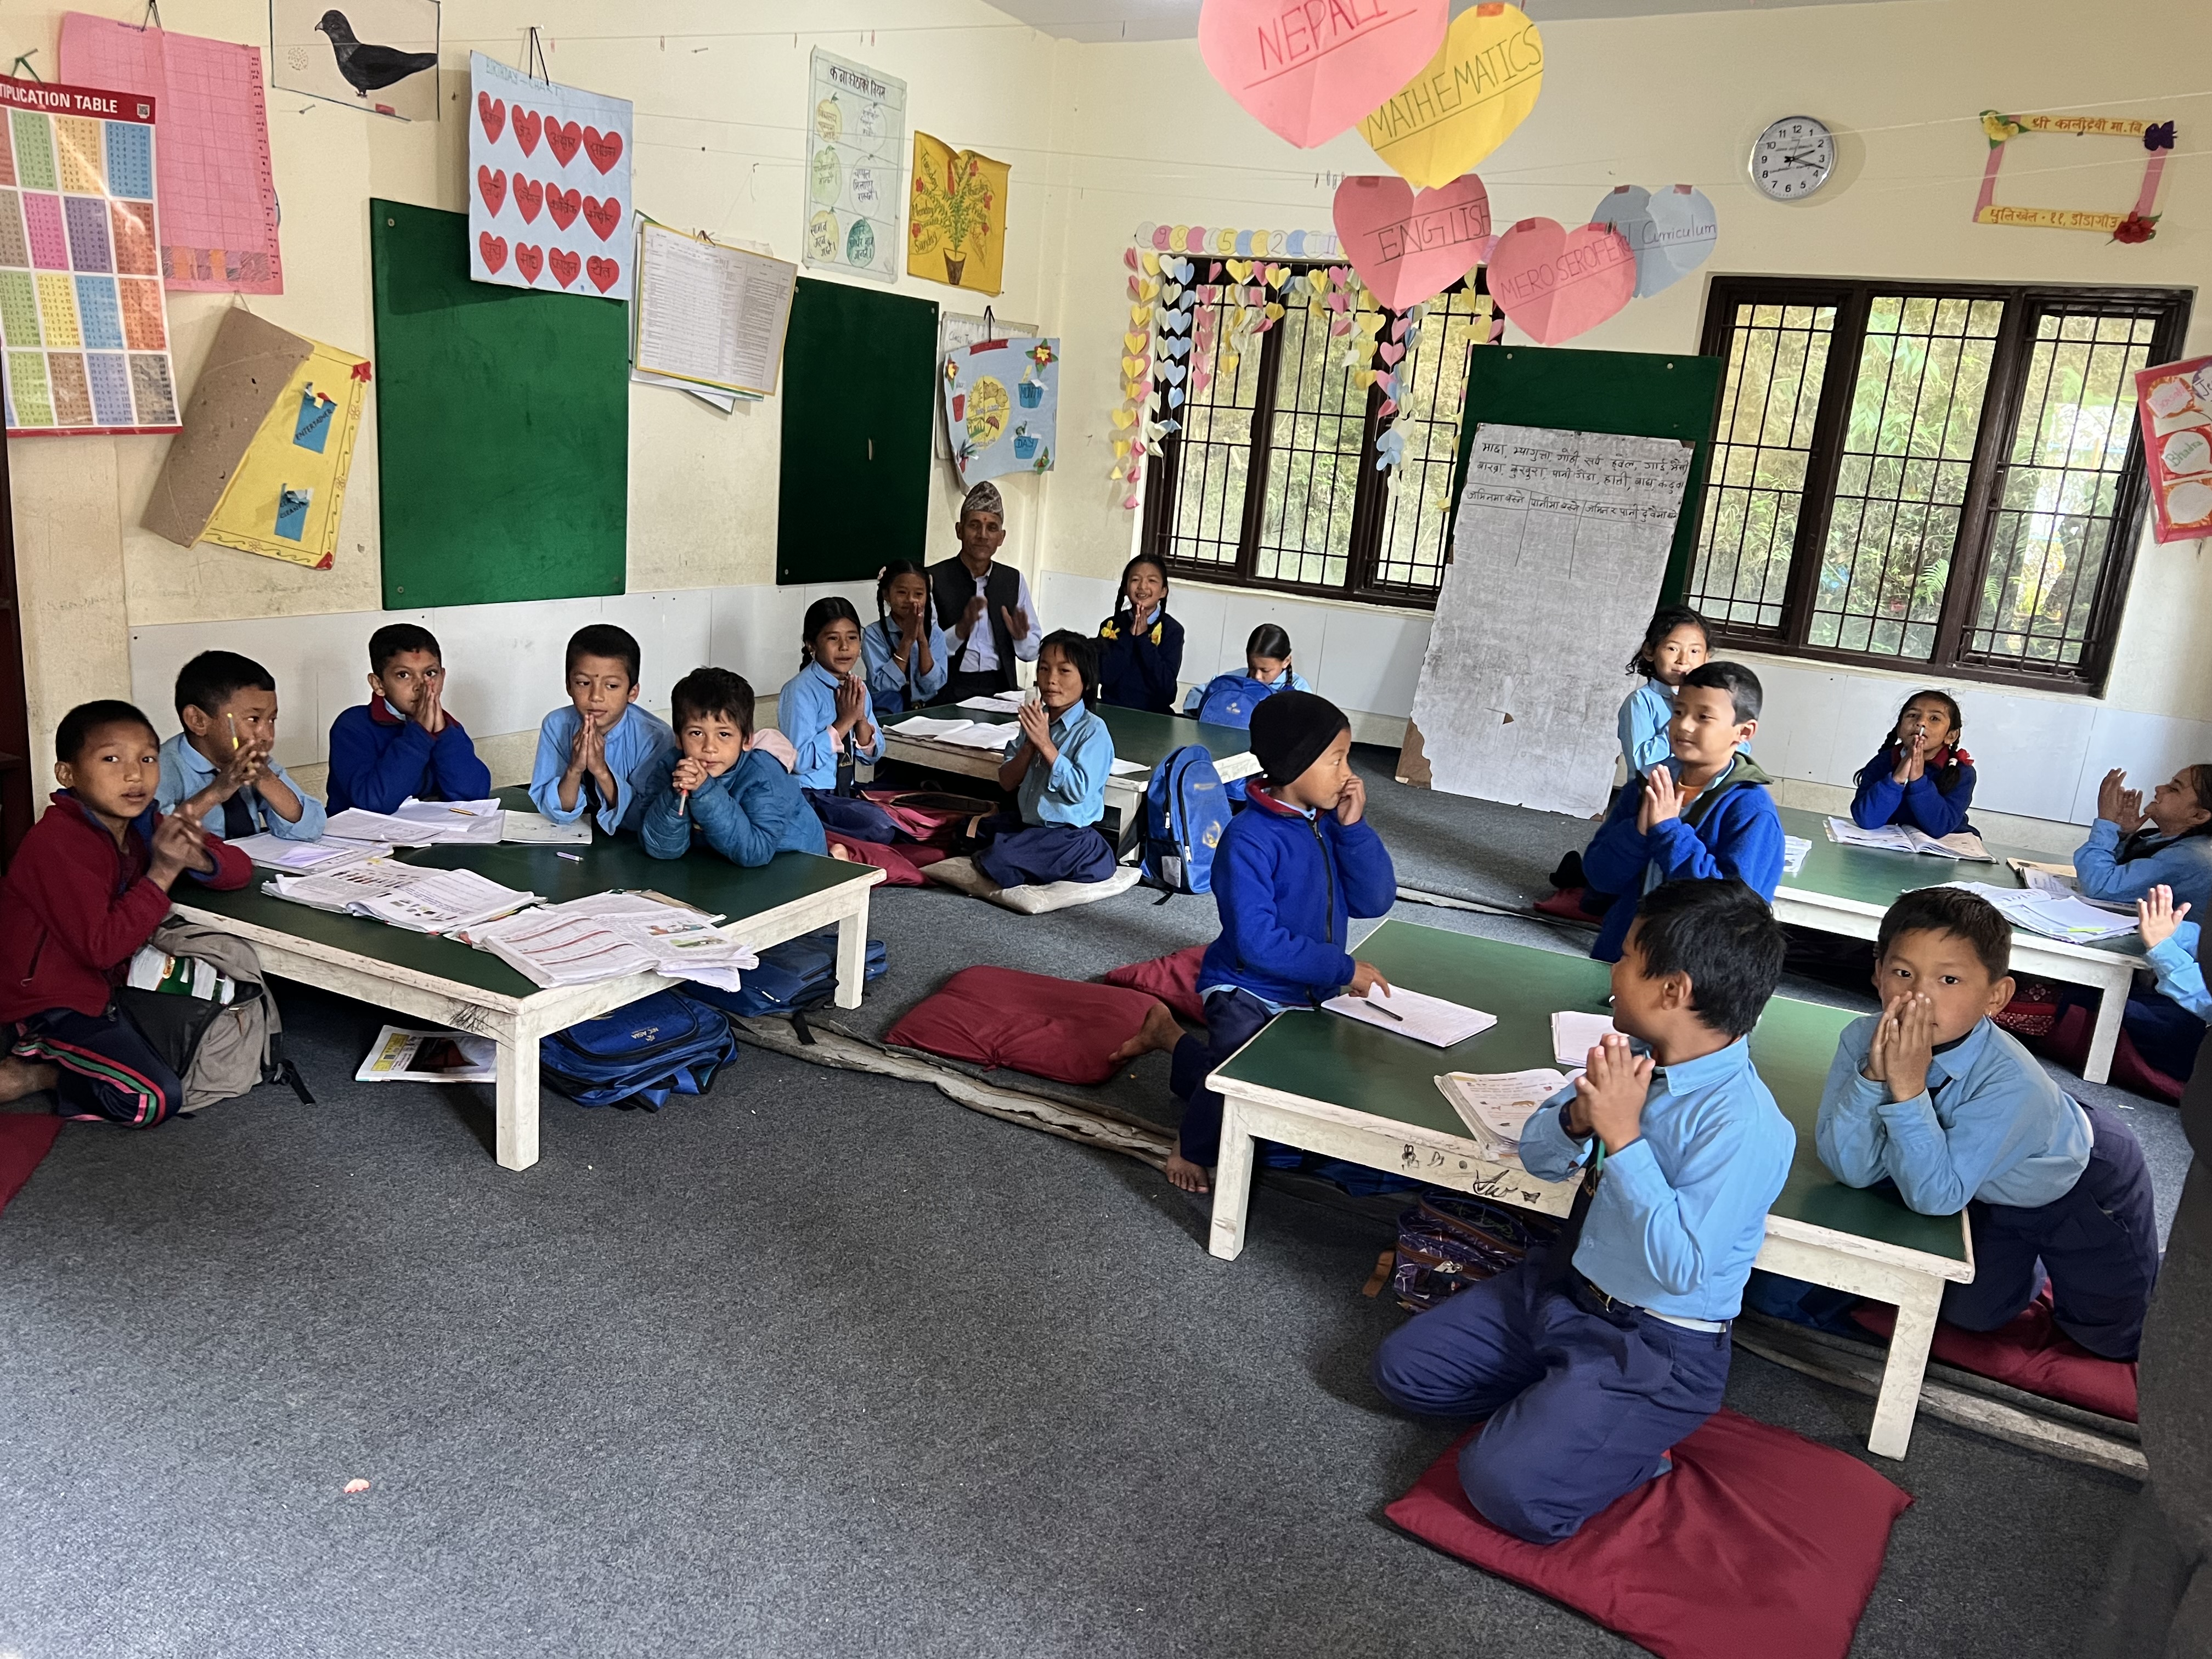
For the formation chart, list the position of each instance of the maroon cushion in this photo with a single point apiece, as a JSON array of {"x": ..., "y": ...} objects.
[
  {"x": 1566, "y": 905},
  {"x": 1760, "y": 1543},
  {"x": 1033, "y": 1023},
  {"x": 26, "y": 1137},
  {"x": 1172, "y": 978},
  {"x": 899, "y": 870},
  {"x": 2030, "y": 1353}
]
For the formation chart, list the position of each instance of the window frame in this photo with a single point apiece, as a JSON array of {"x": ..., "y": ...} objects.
[{"x": 2003, "y": 397}]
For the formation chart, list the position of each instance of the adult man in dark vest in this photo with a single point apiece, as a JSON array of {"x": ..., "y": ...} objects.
[{"x": 984, "y": 605}]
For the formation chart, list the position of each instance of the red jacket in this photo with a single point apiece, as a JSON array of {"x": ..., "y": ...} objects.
[{"x": 75, "y": 907}]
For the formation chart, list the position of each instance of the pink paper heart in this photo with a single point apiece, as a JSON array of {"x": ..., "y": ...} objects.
[
  {"x": 1556, "y": 283},
  {"x": 1399, "y": 325},
  {"x": 1385, "y": 408},
  {"x": 1200, "y": 379},
  {"x": 1213, "y": 271},
  {"x": 1411, "y": 245},
  {"x": 1389, "y": 351},
  {"x": 1307, "y": 72},
  {"x": 1129, "y": 502},
  {"x": 1340, "y": 327},
  {"x": 1129, "y": 257}
]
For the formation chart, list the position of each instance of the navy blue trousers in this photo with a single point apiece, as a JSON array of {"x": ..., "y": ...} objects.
[
  {"x": 2098, "y": 1245},
  {"x": 2166, "y": 1034},
  {"x": 1233, "y": 1017},
  {"x": 1015, "y": 855},
  {"x": 852, "y": 815},
  {"x": 1583, "y": 1403},
  {"x": 107, "y": 1069}
]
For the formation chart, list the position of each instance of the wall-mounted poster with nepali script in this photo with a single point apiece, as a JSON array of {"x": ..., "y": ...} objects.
[{"x": 549, "y": 184}]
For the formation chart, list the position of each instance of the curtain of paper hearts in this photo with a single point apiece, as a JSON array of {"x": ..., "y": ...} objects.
[{"x": 956, "y": 219}]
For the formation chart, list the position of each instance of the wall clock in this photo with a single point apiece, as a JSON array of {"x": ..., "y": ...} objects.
[{"x": 1793, "y": 158}]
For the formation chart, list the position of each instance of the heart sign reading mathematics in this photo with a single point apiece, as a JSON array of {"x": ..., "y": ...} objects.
[
  {"x": 1306, "y": 69},
  {"x": 1409, "y": 246},
  {"x": 549, "y": 185},
  {"x": 1465, "y": 100}
]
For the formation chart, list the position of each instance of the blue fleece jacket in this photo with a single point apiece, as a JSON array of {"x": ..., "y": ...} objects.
[
  {"x": 749, "y": 814},
  {"x": 1739, "y": 833},
  {"x": 1140, "y": 669},
  {"x": 1286, "y": 883},
  {"x": 1918, "y": 804},
  {"x": 376, "y": 763}
]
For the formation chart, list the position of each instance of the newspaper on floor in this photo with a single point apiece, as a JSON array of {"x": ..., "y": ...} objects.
[
  {"x": 444, "y": 901},
  {"x": 299, "y": 857},
  {"x": 1496, "y": 1105},
  {"x": 402, "y": 1056}
]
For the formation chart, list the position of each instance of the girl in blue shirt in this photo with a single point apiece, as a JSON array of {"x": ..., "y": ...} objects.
[
  {"x": 1140, "y": 646},
  {"x": 1920, "y": 777},
  {"x": 824, "y": 709},
  {"x": 903, "y": 648},
  {"x": 1267, "y": 664},
  {"x": 1674, "y": 642},
  {"x": 2133, "y": 847},
  {"x": 1058, "y": 773},
  {"x": 2167, "y": 1027}
]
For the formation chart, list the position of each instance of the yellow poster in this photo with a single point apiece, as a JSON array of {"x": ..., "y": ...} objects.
[
  {"x": 956, "y": 222},
  {"x": 283, "y": 500}
]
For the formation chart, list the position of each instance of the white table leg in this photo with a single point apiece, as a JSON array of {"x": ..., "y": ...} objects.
[
  {"x": 1233, "y": 1185},
  {"x": 853, "y": 955},
  {"x": 517, "y": 1098},
  {"x": 2105, "y": 1035},
  {"x": 1908, "y": 1362}
]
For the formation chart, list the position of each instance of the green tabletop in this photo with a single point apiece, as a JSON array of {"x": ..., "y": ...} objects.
[
  {"x": 703, "y": 880},
  {"x": 1139, "y": 736},
  {"x": 1323, "y": 1056}
]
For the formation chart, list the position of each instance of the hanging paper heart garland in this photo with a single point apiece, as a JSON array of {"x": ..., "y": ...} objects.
[
  {"x": 1411, "y": 245},
  {"x": 1555, "y": 283},
  {"x": 1463, "y": 102},
  {"x": 1670, "y": 232},
  {"x": 1307, "y": 72}
]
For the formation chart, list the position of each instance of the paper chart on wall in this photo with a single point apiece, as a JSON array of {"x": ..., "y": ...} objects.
[
  {"x": 1560, "y": 546},
  {"x": 711, "y": 316},
  {"x": 82, "y": 316},
  {"x": 855, "y": 168},
  {"x": 957, "y": 219},
  {"x": 1001, "y": 406},
  {"x": 284, "y": 501},
  {"x": 2174, "y": 404},
  {"x": 549, "y": 184},
  {"x": 218, "y": 194},
  {"x": 957, "y": 330},
  {"x": 377, "y": 56}
]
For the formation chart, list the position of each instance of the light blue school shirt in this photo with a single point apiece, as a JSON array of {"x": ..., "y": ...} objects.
[
  {"x": 2180, "y": 976},
  {"x": 1989, "y": 1124},
  {"x": 1645, "y": 715},
  {"x": 1291, "y": 681},
  {"x": 1072, "y": 790},
  {"x": 806, "y": 709},
  {"x": 186, "y": 772},
  {"x": 2183, "y": 864},
  {"x": 893, "y": 688},
  {"x": 1681, "y": 1211},
  {"x": 641, "y": 749}
]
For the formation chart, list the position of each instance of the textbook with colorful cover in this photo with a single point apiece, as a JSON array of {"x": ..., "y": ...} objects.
[
  {"x": 1497, "y": 1106},
  {"x": 398, "y": 1055}
]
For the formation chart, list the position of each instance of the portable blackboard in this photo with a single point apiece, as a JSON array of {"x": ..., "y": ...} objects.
[{"x": 502, "y": 425}]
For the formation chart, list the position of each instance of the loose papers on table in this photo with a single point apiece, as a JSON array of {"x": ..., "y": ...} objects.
[
  {"x": 1794, "y": 848},
  {"x": 2056, "y": 915},
  {"x": 1496, "y": 1106},
  {"x": 1412, "y": 1013},
  {"x": 1574, "y": 1035}
]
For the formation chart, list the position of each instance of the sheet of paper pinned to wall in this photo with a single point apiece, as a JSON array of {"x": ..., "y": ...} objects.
[
  {"x": 710, "y": 316},
  {"x": 855, "y": 168},
  {"x": 1557, "y": 558}
]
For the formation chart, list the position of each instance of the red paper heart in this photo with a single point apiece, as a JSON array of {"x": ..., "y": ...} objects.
[
  {"x": 1554, "y": 282},
  {"x": 1307, "y": 72},
  {"x": 563, "y": 205},
  {"x": 604, "y": 273},
  {"x": 529, "y": 260},
  {"x": 529, "y": 197},
  {"x": 601, "y": 216},
  {"x": 564, "y": 265},
  {"x": 526, "y": 122},
  {"x": 492, "y": 112},
  {"x": 562, "y": 138},
  {"x": 1409, "y": 246},
  {"x": 492, "y": 186},
  {"x": 493, "y": 248},
  {"x": 604, "y": 149}
]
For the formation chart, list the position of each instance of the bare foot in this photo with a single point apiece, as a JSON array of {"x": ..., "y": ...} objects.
[
  {"x": 1159, "y": 1032},
  {"x": 1190, "y": 1177},
  {"x": 19, "y": 1078},
  {"x": 837, "y": 852}
]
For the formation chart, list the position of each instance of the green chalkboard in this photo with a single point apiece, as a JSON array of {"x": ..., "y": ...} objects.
[
  {"x": 502, "y": 426},
  {"x": 859, "y": 399},
  {"x": 1638, "y": 394}
]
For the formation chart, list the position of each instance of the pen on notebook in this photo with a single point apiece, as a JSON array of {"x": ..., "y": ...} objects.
[
  {"x": 573, "y": 858},
  {"x": 1386, "y": 1012}
]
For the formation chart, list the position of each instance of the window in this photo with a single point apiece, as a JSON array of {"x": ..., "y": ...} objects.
[
  {"x": 1272, "y": 481},
  {"x": 1927, "y": 474}
]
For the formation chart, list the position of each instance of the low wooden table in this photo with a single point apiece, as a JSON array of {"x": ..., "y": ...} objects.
[
  {"x": 1845, "y": 890},
  {"x": 1348, "y": 1089},
  {"x": 469, "y": 990}
]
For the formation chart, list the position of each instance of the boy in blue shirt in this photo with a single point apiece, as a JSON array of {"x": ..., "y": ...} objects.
[
  {"x": 739, "y": 800},
  {"x": 402, "y": 742},
  {"x": 1594, "y": 1359},
  {"x": 1930, "y": 1094},
  {"x": 600, "y": 752},
  {"x": 220, "y": 761},
  {"x": 1058, "y": 773},
  {"x": 1702, "y": 814}
]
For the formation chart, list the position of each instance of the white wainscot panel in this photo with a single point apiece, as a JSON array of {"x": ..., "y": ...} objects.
[
  {"x": 1371, "y": 659},
  {"x": 2029, "y": 752},
  {"x": 2151, "y": 748}
]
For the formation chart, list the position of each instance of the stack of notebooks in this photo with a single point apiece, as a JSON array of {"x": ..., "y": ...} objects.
[
  {"x": 1496, "y": 1107},
  {"x": 413, "y": 897},
  {"x": 2060, "y": 914},
  {"x": 607, "y": 935}
]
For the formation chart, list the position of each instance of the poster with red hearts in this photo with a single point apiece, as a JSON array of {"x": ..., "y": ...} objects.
[{"x": 549, "y": 184}]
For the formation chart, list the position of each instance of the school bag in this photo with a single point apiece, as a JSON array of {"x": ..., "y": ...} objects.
[
  {"x": 218, "y": 1048},
  {"x": 664, "y": 1044},
  {"x": 1186, "y": 810},
  {"x": 1447, "y": 1241},
  {"x": 1229, "y": 700},
  {"x": 793, "y": 976}
]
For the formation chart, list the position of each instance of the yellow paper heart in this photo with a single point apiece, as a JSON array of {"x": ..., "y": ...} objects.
[
  {"x": 1240, "y": 269},
  {"x": 1134, "y": 341},
  {"x": 1133, "y": 390},
  {"x": 1151, "y": 264},
  {"x": 1318, "y": 280},
  {"x": 1362, "y": 378},
  {"x": 1121, "y": 447},
  {"x": 1277, "y": 275},
  {"x": 1116, "y": 472},
  {"x": 1123, "y": 418},
  {"x": 1229, "y": 362},
  {"x": 1133, "y": 367},
  {"x": 1274, "y": 312},
  {"x": 1480, "y": 85},
  {"x": 1148, "y": 289},
  {"x": 1140, "y": 315}
]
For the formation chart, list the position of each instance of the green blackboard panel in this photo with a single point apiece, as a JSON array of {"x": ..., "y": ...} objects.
[
  {"x": 860, "y": 396},
  {"x": 1640, "y": 394},
  {"x": 502, "y": 426}
]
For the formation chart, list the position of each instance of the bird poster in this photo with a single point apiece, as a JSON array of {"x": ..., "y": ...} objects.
[
  {"x": 375, "y": 55},
  {"x": 1002, "y": 406},
  {"x": 855, "y": 143},
  {"x": 956, "y": 222},
  {"x": 549, "y": 184}
]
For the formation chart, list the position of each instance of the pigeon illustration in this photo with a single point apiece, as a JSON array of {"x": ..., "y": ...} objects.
[{"x": 368, "y": 67}]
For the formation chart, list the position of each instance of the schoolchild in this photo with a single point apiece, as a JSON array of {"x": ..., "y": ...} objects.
[
  {"x": 402, "y": 742},
  {"x": 1674, "y": 642},
  {"x": 825, "y": 708},
  {"x": 904, "y": 648},
  {"x": 1140, "y": 646},
  {"x": 1267, "y": 669},
  {"x": 600, "y": 751},
  {"x": 737, "y": 798},
  {"x": 2133, "y": 847},
  {"x": 2167, "y": 1026},
  {"x": 227, "y": 705},
  {"x": 1057, "y": 773},
  {"x": 1920, "y": 777}
]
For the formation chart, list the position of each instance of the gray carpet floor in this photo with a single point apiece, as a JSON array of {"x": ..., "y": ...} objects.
[{"x": 819, "y": 1365}]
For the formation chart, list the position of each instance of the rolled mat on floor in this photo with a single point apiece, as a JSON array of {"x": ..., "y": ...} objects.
[{"x": 26, "y": 1137}]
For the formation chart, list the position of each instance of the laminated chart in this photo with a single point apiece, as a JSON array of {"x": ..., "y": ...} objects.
[{"x": 83, "y": 323}]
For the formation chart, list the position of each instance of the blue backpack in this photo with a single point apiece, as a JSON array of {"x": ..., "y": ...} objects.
[
  {"x": 661, "y": 1045},
  {"x": 793, "y": 976},
  {"x": 1186, "y": 810},
  {"x": 1230, "y": 699}
]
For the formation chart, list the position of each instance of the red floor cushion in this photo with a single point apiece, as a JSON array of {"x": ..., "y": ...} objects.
[
  {"x": 1759, "y": 1544},
  {"x": 1051, "y": 1028},
  {"x": 2030, "y": 1353},
  {"x": 1567, "y": 905},
  {"x": 899, "y": 870},
  {"x": 26, "y": 1137},
  {"x": 2068, "y": 1045},
  {"x": 1172, "y": 978}
]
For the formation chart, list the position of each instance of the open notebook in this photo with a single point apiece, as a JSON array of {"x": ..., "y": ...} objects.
[
  {"x": 1496, "y": 1106},
  {"x": 1898, "y": 838}
]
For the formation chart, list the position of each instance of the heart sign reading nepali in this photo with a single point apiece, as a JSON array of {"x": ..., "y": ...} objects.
[
  {"x": 1409, "y": 246},
  {"x": 1555, "y": 283},
  {"x": 1308, "y": 68},
  {"x": 1671, "y": 232},
  {"x": 1463, "y": 102}
]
